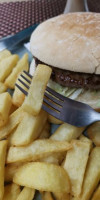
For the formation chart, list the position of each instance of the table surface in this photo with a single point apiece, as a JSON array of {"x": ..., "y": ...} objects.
[
  {"x": 7, "y": 1},
  {"x": 15, "y": 15}
]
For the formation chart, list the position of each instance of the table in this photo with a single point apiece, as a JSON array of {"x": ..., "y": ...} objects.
[{"x": 15, "y": 15}]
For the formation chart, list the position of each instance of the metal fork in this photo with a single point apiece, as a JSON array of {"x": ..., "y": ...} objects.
[{"x": 63, "y": 108}]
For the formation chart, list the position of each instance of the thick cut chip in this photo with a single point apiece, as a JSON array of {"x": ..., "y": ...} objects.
[
  {"x": 55, "y": 158},
  {"x": 12, "y": 191},
  {"x": 94, "y": 133},
  {"x": 4, "y": 54},
  {"x": 85, "y": 139},
  {"x": 5, "y": 105},
  {"x": 13, "y": 121},
  {"x": 3, "y": 88},
  {"x": 21, "y": 65},
  {"x": 33, "y": 102},
  {"x": 54, "y": 120},
  {"x": 75, "y": 165},
  {"x": 67, "y": 132},
  {"x": 10, "y": 170},
  {"x": 45, "y": 132},
  {"x": 29, "y": 129},
  {"x": 18, "y": 96},
  {"x": 26, "y": 194},
  {"x": 43, "y": 177},
  {"x": 46, "y": 196},
  {"x": 13, "y": 109},
  {"x": 3, "y": 148},
  {"x": 96, "y": 195},
  {"x": 9, "y": 137},
  {"x": 61, "y": 196},
  {"x": 92, "y": 175},
  {"x": 38, "y": 149},
  {"x": 50, "y": 159},
  {"x": 73, "y": 198},
  {"x": 7, "y": 65}
]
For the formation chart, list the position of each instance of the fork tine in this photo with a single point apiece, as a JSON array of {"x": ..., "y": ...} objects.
[
  {"x": 21, "y": 89},
  {"x": 25, "y": 79},
  {"x": 28, "y": 74},
  {"x": 59, "y": 96},
  {"x": 23, "y": 83},
  {"x": 60, "y": 103},
  {"x": 51, "y": 111},
  {"x": 52, "y": 105}
]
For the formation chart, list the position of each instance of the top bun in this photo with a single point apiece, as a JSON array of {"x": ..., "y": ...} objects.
[{"x": 69, "y": 41}]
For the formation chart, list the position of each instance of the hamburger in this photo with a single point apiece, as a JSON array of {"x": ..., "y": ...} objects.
[{"x": 70, "y": 44}]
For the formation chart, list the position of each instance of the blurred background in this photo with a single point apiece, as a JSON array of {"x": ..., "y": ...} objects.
[{"x": 15, "y": 15}]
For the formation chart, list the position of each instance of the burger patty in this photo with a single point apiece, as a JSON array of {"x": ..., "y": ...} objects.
[
  {"x": 73, "y": 79},
  {"x": 78, "y": 80}
]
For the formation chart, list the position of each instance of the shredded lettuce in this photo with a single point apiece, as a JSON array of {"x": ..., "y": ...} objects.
[
  {"x": 72, "y": 93},
  {"x": 76, "y": 93}
]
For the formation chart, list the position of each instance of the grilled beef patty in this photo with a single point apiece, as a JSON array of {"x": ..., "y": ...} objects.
[{"x": 73, "y": 79}]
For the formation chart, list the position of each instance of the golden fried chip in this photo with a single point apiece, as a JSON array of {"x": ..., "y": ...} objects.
[
  {"x": 54, "y": 120},
  {"x": 46, "y": 196},
  {"x": 4, "y": 54},
  {"x": 18, "y": 96},
  {"x": 21, "y": 65},
  {"x": 13, "y": 121},
  {"x": 67, "y": 132},
  {"x": 55, "y": 158},
  {"x": 92, "y": 175},
  {"x": 45, "y": 132},
  {"x": 85, "y": 139},
  {"x": 6, "y": 66},
  {"x": 13, "y": 109},
  {"x": 3, "y": 148},
  {"x": 38, "y": 149},
  {"x": 33, "y": 102},
  {"x": 3, "y": 88},
  {"x": 62, "y": 196},
  {"x": 10, "y": 170},
  {"x": 11, "y": 192},
  {"x": 94, "y": 133},
  {"x": 5, "y": 106},
  {"x": 75, "y": 165},
  {"x": 96, "y": 195},
  {"x": 29, "y": 129},
  {"x": 26, "y": 194},
  {"x": 43, "y": 177}
]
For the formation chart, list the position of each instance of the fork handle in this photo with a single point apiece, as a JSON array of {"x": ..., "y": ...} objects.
[
  {"x": 95, "y": 116},
  {"x": 76, "y": 6}
]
